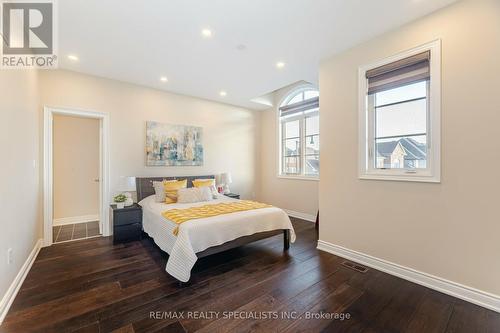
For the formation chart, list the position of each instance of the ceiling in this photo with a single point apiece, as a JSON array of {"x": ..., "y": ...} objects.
[{"x": 141, "y": 41}]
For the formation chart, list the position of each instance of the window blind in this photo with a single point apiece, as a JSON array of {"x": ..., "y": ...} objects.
[
  {"x": 399, "y": 73},
  {"x": 308, "y": 104}
]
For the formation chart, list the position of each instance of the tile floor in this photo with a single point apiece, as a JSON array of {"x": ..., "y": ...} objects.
[{"x": 63, "y": 233}]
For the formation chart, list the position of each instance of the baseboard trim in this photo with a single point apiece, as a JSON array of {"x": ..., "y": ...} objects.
[
  {"x": 469, "y": 294},
  {"x": 11, "y": 293},
  {"x": 299, "y": 215},
  {"x": 75, "y": 219}
]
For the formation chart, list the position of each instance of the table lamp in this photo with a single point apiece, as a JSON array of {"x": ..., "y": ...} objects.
[
  {"x": 127, "y": 185},
  {"x": 225, "y": 179}
]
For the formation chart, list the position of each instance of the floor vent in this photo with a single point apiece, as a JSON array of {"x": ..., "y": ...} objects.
[{"x": 356, "y": 267}]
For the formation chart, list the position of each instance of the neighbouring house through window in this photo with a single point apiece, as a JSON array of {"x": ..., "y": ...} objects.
[
  {"x": 400, "y": 117},
  {"x": 401, "y": 127},
  {"x": 299, "y": 134}
]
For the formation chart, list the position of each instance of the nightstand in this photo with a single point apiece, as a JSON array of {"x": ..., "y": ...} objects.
[
  {"x": 127, "y": 223},
  {"x": 232, "y": 195}
]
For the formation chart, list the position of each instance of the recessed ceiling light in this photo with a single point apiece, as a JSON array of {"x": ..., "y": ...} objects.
[
  {"x": 280, "y": 64},
  {"x": 223, "y": 93},
  {"x": 72, "y": 57},
  {"x": 163, "y": 79},
  {"x": 206, "y": 33}
]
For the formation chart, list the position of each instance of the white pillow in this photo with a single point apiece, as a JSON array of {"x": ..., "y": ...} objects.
[
  {"x": 194, "y": 194},
  {"x": 160, "y": 190},
  {"x": 206, "y": 194},
  {"x": 213, "y": 188}
]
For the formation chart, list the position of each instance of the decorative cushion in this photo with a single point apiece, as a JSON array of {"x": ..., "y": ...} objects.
[
  {"x": 210, "y": 183},
  {"x": 160, "y": 190},
  {"x": 171, "y": 188},
  {"x": 203, "y": 182},
  {"x": 194, "y": 194}
]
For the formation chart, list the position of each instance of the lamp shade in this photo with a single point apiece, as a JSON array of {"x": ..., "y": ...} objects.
[
  {"x": 225, "y": 178},
  {"x": 127, "y": 184}
]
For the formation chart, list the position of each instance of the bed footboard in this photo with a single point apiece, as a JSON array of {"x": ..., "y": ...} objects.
[
  {"x": 246, "y": 240},
  {"x": 242, "y": 241}
]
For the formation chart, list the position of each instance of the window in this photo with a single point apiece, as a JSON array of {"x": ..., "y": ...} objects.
[
  {"x": 299, "y": 134},
  {"x": 400, "y": 117}
]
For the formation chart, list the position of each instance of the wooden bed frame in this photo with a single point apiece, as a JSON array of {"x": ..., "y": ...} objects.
[{"x": 145, "y": 188}]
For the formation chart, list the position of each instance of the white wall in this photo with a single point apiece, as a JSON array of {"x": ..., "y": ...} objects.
[
  {"x": 19, "y": 171},
  {"x": 292, "y": 194},
  {"x": 76, "y": 166},
  {"x": 451, "y": 229},
  {"x": 230, "y": 133}
]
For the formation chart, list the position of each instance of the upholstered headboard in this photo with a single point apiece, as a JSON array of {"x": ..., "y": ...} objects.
[{"x": 144, "y": 185}]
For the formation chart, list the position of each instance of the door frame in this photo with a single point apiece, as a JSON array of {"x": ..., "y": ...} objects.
[{"x": 48, "y": 179}]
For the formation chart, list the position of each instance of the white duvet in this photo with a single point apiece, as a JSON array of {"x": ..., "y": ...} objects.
[{"x": 197, "y": 235}]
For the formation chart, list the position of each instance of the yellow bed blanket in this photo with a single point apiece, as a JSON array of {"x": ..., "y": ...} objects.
[{"x": 179, "y": 216}]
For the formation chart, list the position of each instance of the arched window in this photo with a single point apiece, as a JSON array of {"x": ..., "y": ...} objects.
[{"x": 299, "y": 134}]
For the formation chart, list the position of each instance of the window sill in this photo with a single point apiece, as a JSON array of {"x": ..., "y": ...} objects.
[
  {"x": 313, "y": 178},
  {"x": 401, "y": 177}
]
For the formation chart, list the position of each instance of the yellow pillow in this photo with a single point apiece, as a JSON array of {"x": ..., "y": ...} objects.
[
  {"x": 203, "y": 182},
  {"x": 171, "y": 189}
]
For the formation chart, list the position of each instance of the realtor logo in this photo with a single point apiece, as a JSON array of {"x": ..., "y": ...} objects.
[{"x": 28, "y": 30}]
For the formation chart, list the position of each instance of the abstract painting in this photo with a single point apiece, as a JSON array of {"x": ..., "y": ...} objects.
[{"x": 173, "y": 145}]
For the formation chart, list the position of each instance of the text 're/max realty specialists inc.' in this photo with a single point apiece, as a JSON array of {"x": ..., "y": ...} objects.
[{"x": 245, "y": 315}]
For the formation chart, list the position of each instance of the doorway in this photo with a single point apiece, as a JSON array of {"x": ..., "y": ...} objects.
[{"x": 75, "y": 175}]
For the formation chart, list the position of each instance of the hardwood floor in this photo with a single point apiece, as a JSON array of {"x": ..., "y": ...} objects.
[{"x": 95, "y": 286}]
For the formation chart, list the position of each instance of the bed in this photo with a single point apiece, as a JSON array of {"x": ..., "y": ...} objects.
[{"x": 206, "y": 236}]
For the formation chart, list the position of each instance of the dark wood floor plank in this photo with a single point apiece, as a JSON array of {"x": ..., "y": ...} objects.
[
  {"x": 125, "y": 329},
  {"x": 257, "y": 287},
  {"x": 60, "y": 309},
  {"x": 72, "y": 248},
  {"x": 69, "y": 313},
  {"x": 284, "y": 289},
  {"x": 493, "y": 322},
  {"x": 172, "y": 328},
  {"x": 396, "y": 316},
  {"x": 92, "y": 328},
  {"x": 212, "y": 299},
  {"x": 219, "y": 288},
  {"x": 285, "y": 305},
  {"x": 93, "y": 285},
  {"x": 432, "y": 315},
  {"x": 467, "y": 317},
  {"x": 378, "y": 290},
  {"x": 58, "y": 289},
  {"x": 67, "y": 258},
  {"x": 329, "y": 310},
  {"x": 85, "y": 266},
  {"x": 83, "y": 322},
  {"x": 172, "y": 298}
]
